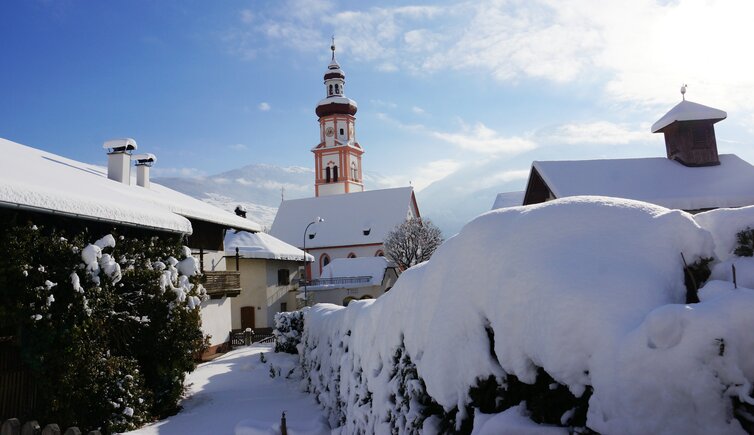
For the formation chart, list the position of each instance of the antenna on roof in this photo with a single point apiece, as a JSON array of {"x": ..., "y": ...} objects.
[{"x": 683, "y": 91}]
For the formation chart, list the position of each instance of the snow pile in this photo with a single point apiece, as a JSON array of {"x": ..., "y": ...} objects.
[
  {"x": 288, "y": 329},
  {"x": 586, "y": 290}
]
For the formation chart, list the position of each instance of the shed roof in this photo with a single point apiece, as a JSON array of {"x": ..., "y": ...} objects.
[
  {"x": 38, "y": 180},
  {"x": 347, "y": 217},
  {"x": 657, "y": 180}
]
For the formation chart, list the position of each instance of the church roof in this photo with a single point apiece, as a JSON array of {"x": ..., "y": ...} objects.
[
  {"x": 657, "y": 180},
  {"x": 358, "y": 218},
  {"x": 688, "y": 111}
]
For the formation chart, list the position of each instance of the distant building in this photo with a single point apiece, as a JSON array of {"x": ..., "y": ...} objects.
[
  {"x": 269, "y": 271},
  {"x": 693, "y": 176},
  {"x": 348, "y": 279},
  {"x": 355, "y": 221}
]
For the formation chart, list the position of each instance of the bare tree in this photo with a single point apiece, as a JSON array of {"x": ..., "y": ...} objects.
[{"x": 412, "y": 242}]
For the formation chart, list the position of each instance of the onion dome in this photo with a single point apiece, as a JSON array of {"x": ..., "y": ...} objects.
[{"x": 335, "y": 81}]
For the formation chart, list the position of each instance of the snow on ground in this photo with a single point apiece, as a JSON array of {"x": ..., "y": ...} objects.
[
  {"x": 590, "y": 289},
  {"x": 234, "y": 394}
]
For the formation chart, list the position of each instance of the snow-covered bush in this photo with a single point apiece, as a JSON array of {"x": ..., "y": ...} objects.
[
  {"x": 570, "y": 312},
  {"x": 288, "y": 329},
  {"x": 109, "y": 326}
]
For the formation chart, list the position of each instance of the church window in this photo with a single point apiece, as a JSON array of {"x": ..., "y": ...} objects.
[
  {"x": 330, "y": 93},
  {"x": 324, "y": 260},
  {"x": 335, "y": 173},
  {"x": 379, "y": 253},
  {"x": 337, "y": 89},
  {"x": 342, "y": 132},
  {"x": 351, "y": 255},
  {"x": 354, "y": 172},
  {"x": 327, "y": 174}
]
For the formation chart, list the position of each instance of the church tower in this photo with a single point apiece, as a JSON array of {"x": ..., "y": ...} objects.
[{"x": 337, "y": 158}]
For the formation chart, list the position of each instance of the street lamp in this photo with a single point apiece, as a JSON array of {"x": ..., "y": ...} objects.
[{"x": 317, "y": 220}]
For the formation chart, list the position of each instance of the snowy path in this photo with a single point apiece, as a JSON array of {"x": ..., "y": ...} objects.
[{"x": 235, "y": 394}]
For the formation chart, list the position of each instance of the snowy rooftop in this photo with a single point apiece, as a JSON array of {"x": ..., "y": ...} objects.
[
  {"x": 46, "y": 182},
  {"x": 657, "y": 180},
  {"x": 261, "y": 245},
  {"x": 372, "y": 267},
  {"x": 688, "y": 111},
  {"x": 337, "y": 100},
  {"x": 347, "y": 217},
  {"x": 508, "y": 199}
]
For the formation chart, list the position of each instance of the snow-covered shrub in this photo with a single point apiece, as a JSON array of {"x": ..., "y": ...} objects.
[
  {"x": 108, "y": 325},
  {"x": 288, "y": 329},
  {"x": 585, "y": 301}
]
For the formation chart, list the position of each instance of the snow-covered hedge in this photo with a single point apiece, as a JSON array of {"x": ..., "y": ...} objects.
[
  {"x": 108, "y": 326},
  {"x": 576, "y": 307},
  {"x": 289, "y": 326}
]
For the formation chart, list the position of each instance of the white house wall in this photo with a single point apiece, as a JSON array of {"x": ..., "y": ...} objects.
[
  {"x": 341, "y": 252},
  {"x": 216, "y": 319}
]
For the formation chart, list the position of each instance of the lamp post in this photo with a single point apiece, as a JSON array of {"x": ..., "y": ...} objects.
[{"x": 317, "y": 220}]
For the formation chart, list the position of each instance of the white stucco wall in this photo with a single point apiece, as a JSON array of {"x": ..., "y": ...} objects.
[
  {"x": 360, "y": 251},
  {"x": 215, "y": 314}
]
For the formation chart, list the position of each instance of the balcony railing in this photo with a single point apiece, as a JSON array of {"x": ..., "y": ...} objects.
[
  {"x": 222, "y": 283},
  {"x": 341, "y": 280}
]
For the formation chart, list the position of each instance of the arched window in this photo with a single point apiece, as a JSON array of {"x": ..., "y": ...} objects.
[
  {"x": 324, "y": 260},
  {"x": 335, "y": 173},
  {"x": 330, "y": 93},
  {"x": 351, "y": 255},
  {"x": 348, "y": 300},
  {"x": 354, "y": 172},
  {"x": 337, "y": 89},
  {"x": 327, "y": 174},
  {"x": 379, "y": 253}
]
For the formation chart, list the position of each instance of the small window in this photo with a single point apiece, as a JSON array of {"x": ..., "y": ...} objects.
[
  {"x": 324, "y": 260},
  {"x": 337, "y": 89},
  {"x": 354, "y": 172},
  {"x": 348, "y": 300},
  {"x": 330, "y": 92},
  {"x": 283, "y": 307},
  {"x": 327, "y": 174},
  {"x": 379, "y": 253},
  {"x": 335, "y": 173},
  {"x": 351, "y": 255},
  {"x": 342, "y": 132},
  {"x": 284, "y": 277}
]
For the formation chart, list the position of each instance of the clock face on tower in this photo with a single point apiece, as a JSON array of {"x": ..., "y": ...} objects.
[{"x": 329, "y": 131}]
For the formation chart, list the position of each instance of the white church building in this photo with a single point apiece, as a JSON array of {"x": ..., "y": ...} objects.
[{"x": 342, "y": 220}]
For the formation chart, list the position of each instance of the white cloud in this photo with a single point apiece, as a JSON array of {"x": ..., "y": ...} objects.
[
  {"x": 595, "y": 133},
  {"x": 264, "y": 106},
  {"x": 482, "y": 139},
  {"x": 418, "y": 110},
  {"x": 238, "y": 147}
]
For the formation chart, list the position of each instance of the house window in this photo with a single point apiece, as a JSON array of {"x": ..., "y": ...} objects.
[
  {"x": 283, "y": 307},
  {"x": 324, "y": 260},
  {"x": 327, "y": 174},
  {"x": 351, "y": 255},
  {"x": 284, "y": 277},
  {"x": 335, "y": 173},
  {"x": 379, "y": 253}
]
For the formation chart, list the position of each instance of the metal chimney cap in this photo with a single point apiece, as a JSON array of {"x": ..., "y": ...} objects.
[
  {"x": 119, "y": 145},
  {"x": 147, "y": 159}
]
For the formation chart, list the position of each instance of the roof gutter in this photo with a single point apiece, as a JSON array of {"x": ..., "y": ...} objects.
[{"x": 13, "y": 205}]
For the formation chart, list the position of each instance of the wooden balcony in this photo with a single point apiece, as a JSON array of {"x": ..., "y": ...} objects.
[{"x": 222, "y": 283}]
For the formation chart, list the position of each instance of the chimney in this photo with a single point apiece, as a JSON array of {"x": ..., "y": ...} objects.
[
  {"x": 690, "y": 133},
  {"x": 119, "y": 159},
  {"x": 143, "y": 163}
]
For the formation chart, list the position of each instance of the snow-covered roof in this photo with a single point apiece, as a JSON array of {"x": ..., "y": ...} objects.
[
  {"x": 261, "y": 245},
  {"x": 347, "y": 217},
  {"x": 657, "y": 180},
  {"x": 372, "y": 267},
  {"x": 688, "y": 111},
  {"x": 508, "y": 199},
  {"x": 337, "y": 100},
  {"x": 38, "y": 180}
]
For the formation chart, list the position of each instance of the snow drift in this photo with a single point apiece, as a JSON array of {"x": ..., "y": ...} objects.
[{"x": 588, "y": 289}]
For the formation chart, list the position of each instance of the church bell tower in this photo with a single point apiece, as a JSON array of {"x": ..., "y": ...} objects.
[{"x": 337, "y": 158}]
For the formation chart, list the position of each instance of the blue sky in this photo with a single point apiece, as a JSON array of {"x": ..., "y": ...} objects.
[{"x": 442, "y": 87}]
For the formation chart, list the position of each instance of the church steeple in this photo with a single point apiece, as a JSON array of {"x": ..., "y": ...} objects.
[{"x": 337, "y": 158}]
